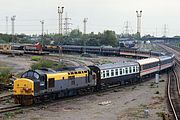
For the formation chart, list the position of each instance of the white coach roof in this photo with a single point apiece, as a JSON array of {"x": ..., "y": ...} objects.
[{"x": 147, "y": 61}]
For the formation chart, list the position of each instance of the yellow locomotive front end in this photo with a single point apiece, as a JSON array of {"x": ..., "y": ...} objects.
[{"x": 23, "y": 91}]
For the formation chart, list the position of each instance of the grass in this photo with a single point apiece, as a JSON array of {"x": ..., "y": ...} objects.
[
  {"x": 36, "y": 58},
  {"x": 143, "y": 106},
  {"x": 4, "y": 73},
  {"x": 162, "y": 115},
  {"x": 8, "y": 115},
  {"x": 18, "y": 112},
  {"x": 105, "y": 61}
]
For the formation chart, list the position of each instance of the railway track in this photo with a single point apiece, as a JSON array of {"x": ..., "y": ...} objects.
[
  {"x": 174, "y": 95},
  {"x": 75, "y": 61},
  {"x": 9, "y": 108},
  {"x": 5, "y": 97}
]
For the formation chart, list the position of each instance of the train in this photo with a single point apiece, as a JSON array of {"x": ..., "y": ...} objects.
[
  {"x": 35, "y": 86},
  {"x": 102, "y": 50},
  {"x": 99, "y": 50}
]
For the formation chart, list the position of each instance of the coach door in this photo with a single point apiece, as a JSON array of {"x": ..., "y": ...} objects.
[
  {"x": 45, "y": 81},
  {"x": 71, "y": 81},
  {"x": 51, "y": 83}
]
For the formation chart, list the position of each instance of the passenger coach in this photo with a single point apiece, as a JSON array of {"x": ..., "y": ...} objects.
[
  {"x": 149, "y": 66},
  {"x": 116, "y": 73},
  {"x": 166, "y": 61}
]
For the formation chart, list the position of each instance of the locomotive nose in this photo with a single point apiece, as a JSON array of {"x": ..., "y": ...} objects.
[{"x": 23, "y": 86}]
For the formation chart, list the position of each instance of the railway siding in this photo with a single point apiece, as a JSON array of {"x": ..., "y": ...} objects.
[
  {"x": 173, "y": 87},
  {"x": 173, "y": 95}
]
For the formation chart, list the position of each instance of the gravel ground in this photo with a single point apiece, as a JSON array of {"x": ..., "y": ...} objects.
[
  {"x": 18, "y": 63},
  {"x": 126, "y": 103}
]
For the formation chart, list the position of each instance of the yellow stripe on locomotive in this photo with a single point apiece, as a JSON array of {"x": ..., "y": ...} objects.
[{"x": 68, "y": 75}]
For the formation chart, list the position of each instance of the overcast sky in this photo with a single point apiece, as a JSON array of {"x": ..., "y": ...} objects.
[{"x": 101, "y": 14}]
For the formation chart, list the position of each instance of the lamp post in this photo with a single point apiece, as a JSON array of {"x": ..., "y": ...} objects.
[
  {"x": 139, "y": 15},
  {"x": 13, "y": 19},
  {"x": 84, "y": 42},
  {"x": 60, "y": 12},
  {"x": 42, "y": 22}
]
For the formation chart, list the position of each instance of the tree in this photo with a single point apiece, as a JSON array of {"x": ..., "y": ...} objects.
[
  {"x": 109, "y": 38},
  {"x": 93, "y": 42},
  {"x": 137, "y": 36},
  {"x": 76, "y": 33}
]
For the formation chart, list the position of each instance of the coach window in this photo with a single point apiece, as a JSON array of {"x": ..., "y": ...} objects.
[
  {"x": 123, "y": 70},
  {"x": 134, "y": 68},
  {"x": 120, "y": 71},
  {"x": 112, "y": 72},
  {"x": 137, "y": 69},
  {"x": 107, "y": 73},
  {"x": 126, "y": 70},
  {"x": 116, "y": 71},
  {"x": 104, "y": 75},
  {"x": 101, "y": 74},
  {"x": 130, "y": 69}
]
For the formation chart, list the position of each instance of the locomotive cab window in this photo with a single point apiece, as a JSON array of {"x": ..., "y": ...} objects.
[{"x": 31, "y": 75}]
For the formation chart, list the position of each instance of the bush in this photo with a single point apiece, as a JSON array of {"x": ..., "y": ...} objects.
[
  {"x": 4, "y": 75},
  {"x": 42, "y": 64},
  {"x": 58, "y": 66},
  {"x": 36, "y": 58},
  {"x": 162, "y": 114},
  {"x": 47, "y": 64}
]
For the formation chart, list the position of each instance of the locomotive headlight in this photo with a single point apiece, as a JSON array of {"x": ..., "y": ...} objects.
[{"x": 27, "y": 89}]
